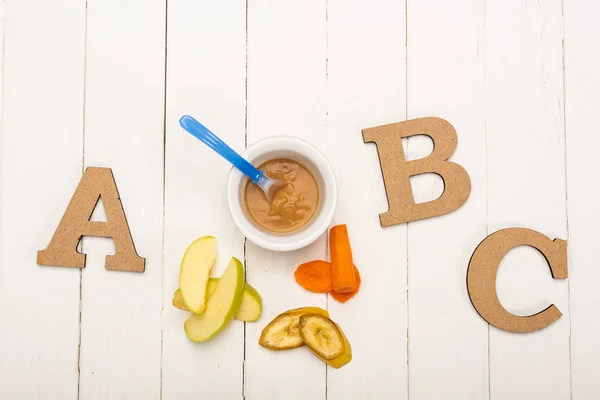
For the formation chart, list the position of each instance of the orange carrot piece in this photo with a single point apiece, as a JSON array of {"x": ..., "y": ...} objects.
[
  {"x": 315, "y": 276},
  {"x": 344, "y": 297},
  {"x": 342, "y": 266}
]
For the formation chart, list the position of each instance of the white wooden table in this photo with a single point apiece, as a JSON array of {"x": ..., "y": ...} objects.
[{"x": 104, "y": 84}]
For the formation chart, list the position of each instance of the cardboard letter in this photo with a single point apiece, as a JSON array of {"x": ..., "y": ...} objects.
[
  {"x": 397, "y": 171},
  {"x": 481, "y": 277},
  {"x": 62, "y": 251}
]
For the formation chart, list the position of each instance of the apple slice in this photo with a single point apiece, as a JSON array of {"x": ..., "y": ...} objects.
[
  {"x": 178, "y": 301},
  {"x": 250, "y": 309},
  {"x": 198, "y": 260},
  {"x": 222, "y": 306}
]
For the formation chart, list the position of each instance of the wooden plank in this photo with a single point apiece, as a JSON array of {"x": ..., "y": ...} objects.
[
  {"x": 121, "y": 312},
  {"x": 40, "y": 166},
  {"x": 2, "y": 16},
  {"x": 526, "y": 187},
  {"x": 286, "y": 96},
  {"x": 366, "y": 88},
  {"x": 447, "y": 338},
  {"x": 582, "y": 99},
  {"x": 205, "y": 78}
]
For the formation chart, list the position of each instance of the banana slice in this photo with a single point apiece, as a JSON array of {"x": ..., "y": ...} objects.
[
  {"x": 322, "y": 336},
  {"x": 308, "y": 310},
  {"x": 345, "y": 358},
  {"x": 283, "y": 332}
]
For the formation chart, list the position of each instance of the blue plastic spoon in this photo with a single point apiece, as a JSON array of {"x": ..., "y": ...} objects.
[{"x": 268, "y": 185}]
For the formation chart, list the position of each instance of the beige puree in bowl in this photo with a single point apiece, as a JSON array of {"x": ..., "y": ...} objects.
[{"x": 293, "y": 206}]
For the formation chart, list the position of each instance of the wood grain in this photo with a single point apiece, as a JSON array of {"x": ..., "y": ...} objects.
[
  {"x": 206, "y": 76},
  {"x": 447, "y": 338},
  {"x": 40, "y": 166},
  {"x": 582, "y": 100},
  {"x": 526, "y": 188},
  {"x": 286, "y": 96},
  {"x": 523, "y": 106},
  {"x": 366, "y": 88},
  {"x": 124, "y": 102}
]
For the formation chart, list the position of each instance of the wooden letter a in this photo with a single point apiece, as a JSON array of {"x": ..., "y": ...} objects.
[
  {"x": 62, "y": 251},
  {"x": 397, "y": 171}
]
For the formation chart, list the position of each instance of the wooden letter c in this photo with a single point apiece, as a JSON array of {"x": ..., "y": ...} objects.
[{"x": 481, "y": 277}]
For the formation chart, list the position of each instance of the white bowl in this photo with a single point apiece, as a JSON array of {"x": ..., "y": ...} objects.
[{"x": 307, "y": 155}]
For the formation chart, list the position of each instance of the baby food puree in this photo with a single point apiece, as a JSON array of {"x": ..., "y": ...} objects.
[{"x": 293, "y": 205}]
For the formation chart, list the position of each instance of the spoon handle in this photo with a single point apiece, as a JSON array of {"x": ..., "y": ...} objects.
[{"x": 211, "y": 140}]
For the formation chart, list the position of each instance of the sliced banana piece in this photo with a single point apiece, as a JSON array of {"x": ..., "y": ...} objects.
[
  {"x": 282, "y": 333},
  {"x": 345, "y": 358},
  {"x": 322, "y": 336},
  {"x": 308, "y": 310}
]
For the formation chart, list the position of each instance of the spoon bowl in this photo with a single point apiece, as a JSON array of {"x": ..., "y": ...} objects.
[{"x": 270, "y": 186}]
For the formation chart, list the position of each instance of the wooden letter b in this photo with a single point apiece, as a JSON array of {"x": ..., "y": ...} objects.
[{"x": 397, "y": 171}]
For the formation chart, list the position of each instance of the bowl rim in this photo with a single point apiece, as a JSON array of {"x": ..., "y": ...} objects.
[{"x": 316, "y": 227}]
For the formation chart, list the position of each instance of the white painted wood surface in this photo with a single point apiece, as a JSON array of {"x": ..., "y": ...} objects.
[
  {"x": 104, "y": 83},
  {"x": 40, "y": 165},
  {"x": 441, "y": 324},
  {"x": 526, "y": 187},
  {"x": 366, "y": 87},
  {"x": 124, "y": 103},
  {"x": 582, "y": 101},
  {"x": 206, "y": 75},
  {"x": 286, "y": 96}
]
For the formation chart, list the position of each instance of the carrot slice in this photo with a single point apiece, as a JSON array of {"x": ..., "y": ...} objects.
[
  {"x": 315, "y": 276},
  {"x": 344, "y": 297},
  {"x": 342, "y": 266}
]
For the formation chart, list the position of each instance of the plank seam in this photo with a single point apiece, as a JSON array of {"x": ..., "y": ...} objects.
[
  {"x": 326, "y": 129},
  {"x": 3, "y": 49},
  {"x": 245, "y": 146},
  {"x": 164, "y": 185},
  {"x": 82, "y": 172},
  {"x": 564, "y": 111},
  {"x": 407, "y": 224},
  {"x": 487, "y": 186}
]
